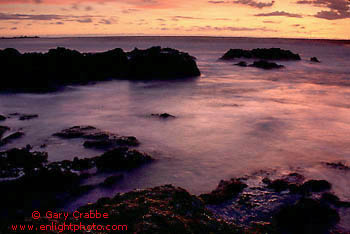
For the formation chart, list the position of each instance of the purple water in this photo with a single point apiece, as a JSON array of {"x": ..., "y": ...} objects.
[{"x": 231, "y": 121}]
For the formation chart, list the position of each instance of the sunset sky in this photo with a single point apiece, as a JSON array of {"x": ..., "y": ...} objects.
[{"x": 256, "y": 18}]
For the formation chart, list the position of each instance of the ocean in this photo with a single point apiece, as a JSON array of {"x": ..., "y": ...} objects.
[{"x": 230, "y": 122}]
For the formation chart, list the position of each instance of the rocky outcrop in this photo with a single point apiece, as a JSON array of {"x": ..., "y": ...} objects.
[
  {"x": 10, "y": 137},
  {"x": 266, "y": 65},
  {"x": 164, "y": 209},
  {"x": 163, "y": 116},
  {"x": 306, "y": 216},
  {"x": 111, "y": 180},
  {"x": 242, "y": 64},
  {"x": 97, "y": 138},
  {"x": 314, "y": 59},
  {"x": 225, "y": 191},
  {"x": 121, "y": 159},
  {"x": 28, "y": 116},
  {"x": 266, "y": 54},
  {"x": 43, "y": 72},
  {"x": 3, "y": 129}
]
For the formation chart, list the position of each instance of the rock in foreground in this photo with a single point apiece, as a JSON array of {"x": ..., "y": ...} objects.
[
  {"x": 225, "y": 191},
  {"x": 43, "y": 72},
  {"x": 164, "y": 209},
  {"x": 268, "y": 54}
]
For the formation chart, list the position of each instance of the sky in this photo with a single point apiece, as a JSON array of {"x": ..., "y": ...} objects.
[{"x": 239, "y": 18}]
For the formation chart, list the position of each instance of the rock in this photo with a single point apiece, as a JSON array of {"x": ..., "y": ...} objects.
[
  {"x": 290, "y": 182},
  {"x": 28, "y": 117},
  {"x": 164, "y": 209},
  {"x": 45, "y": 72},
  {"x": 10, "y": 137},
  {"x": 226, "y": 190},
  {"x": 97, "y": 139},
  {"x": 23, "y": 158},
  {"x": 267, "y": 54},
  {"x": 164, "y": 115},
  {"x": 242, "y": 64},
  {"x": 76, "y": 132},
  {"x": 3, "y": 129},
  {"x": 2, "y": 118},
  {"x": 161, "y": 63},
  {"x": 314, "y": 59},
  {"x": 315, "y": 186},
  {"x": 121, "y": 158},
  {"x": 338, "y": 165},
  {"x": 266, "y": 65},
  {"x": 100, "y": 144},
  {"x": 111, "y": 180},
  {"x": 334, "y": 200},
  {"x": 306, "y": 216},
  {"x": 111, "y": 143}
]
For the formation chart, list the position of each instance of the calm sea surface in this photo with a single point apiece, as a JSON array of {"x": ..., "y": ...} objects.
[{"x": 231, "y": 121}]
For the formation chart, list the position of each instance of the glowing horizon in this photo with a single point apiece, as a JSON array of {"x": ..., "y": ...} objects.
[{"x": 324, "y": 19}]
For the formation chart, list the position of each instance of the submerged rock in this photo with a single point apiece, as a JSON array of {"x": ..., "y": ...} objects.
[
  {"x": 225, "y": 191},
  {"x": 268, "y": 54},
  {"x": 43, "y": 72},
  {"x": 306, "y": 216},
  {"x": 242, "y": 64},
  {"x": 338, "y": 165},
  {"x": 111, "y": 180},
  {"x": 3, "y": 129},
  {"x": 163, "y": 116},
  {"x": 266, "y": 65},
  {"x": 97, "y": 138},
  {"x": 28, "y": 116},
  {"x": 10, "y": 137},
  {"x": 2, "y": 118},
  {"x": 314, "y": 59},
  {"x": 121, "y": 159}
]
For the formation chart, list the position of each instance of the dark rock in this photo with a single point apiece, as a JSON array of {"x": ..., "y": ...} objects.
[
  {"x": 226, "y": 190},
  {"x": 314, "y": 59},
  {"x": 114, "y": 142},
  {"x": 44, "y": 72},
  {"x": 279, "y": 185},
  {"x": 268, "y": 54},
  {"x": 164, "y": 209},
  {"x": 76, "y": 132},
  {"x": 28, "y": 117},
  {"x": 127, "y": 141},
  {"x": 334, "y": 200},
  {"x": 338, "y": 165},
  {"x": 315, "y": 186},
  {"x": 100, "y": 144},
  {"x": 97, "y": 139},
  {"x": 121, "y": 158},
  {"x": 164, "y": 115},
  {"x": 10, "y": 137},
  {"x": 3, "y": 129},
  {"x": 158, "y": 63},
  {"x": 290, "y": 182},
  {"x": 242, "y": 64},
  {"x": 83, "y": 164},
  {"x": 2, "y": 118},
  {"x": 306, "y": 216},
  {"x": 111, "y": 180},
  {"x": 266, "y": 65}
]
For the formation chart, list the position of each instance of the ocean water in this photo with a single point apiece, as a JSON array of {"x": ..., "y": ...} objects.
[{"x": 231, "y": 121}]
